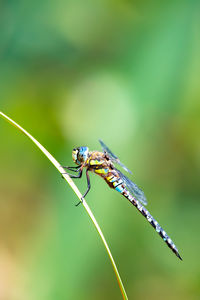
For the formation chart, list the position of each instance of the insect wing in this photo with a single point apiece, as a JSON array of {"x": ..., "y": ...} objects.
[
  {"x": 113, "y": 157},
  {"x": 133, "y": 188}
]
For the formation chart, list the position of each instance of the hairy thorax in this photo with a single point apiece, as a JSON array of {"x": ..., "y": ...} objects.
[{"x": 100, "y": 164}]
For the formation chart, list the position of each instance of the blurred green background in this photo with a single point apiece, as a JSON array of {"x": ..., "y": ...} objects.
[{"x": 123, "y": 71}]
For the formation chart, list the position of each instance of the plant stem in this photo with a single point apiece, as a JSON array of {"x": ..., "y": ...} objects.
[{"x": 77, "y": 192}]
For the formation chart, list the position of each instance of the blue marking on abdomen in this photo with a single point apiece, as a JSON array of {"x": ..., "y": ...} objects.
[
  {"x": 113, "y": 179},
  {"x": 119, "y": 188}
]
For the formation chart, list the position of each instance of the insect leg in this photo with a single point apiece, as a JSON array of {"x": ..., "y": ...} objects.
[
  {"x": 88, "y": 188},
  {"x": 88, "y": 183},
  {"x": 74, "y": 176},
  {"x": 74, "y": 169}
]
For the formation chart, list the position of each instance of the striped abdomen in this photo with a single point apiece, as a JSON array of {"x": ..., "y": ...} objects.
[{"x": 118, "y": 185}]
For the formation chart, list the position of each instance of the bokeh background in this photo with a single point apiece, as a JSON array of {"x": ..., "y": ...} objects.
[{"x": 123, "y": 71}]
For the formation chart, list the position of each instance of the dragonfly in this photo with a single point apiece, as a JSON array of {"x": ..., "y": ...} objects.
[{"x": 103, "y": 164}]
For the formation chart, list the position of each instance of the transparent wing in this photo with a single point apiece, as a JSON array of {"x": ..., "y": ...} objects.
[
  {"x": 133, "y": 188},
  {"x": 113, "y": 157}
]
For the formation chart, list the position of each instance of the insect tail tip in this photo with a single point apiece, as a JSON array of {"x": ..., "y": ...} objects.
[{"x": 178, "y": 255}]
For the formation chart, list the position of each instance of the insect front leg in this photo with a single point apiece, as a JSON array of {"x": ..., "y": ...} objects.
[
  {"x": 88, "y": 183},
  {"x": 88, "y": 187},
  {"x": 75, "y": 176},
  {"x": 74, "y": 169}
]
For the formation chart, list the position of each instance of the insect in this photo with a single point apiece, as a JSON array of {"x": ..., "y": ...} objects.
[{"x": 102, "y": 164}]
